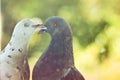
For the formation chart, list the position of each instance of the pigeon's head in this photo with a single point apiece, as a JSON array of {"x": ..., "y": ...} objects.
[
  {"x": 25, "y": 28},
  {"x": 57, "y": 26}
]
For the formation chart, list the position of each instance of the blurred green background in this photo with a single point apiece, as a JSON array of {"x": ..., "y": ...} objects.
[{"x": 95, "y": 25}]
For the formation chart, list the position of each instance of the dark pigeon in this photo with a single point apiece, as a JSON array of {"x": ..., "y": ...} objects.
[{"x": 57, "y": 62}]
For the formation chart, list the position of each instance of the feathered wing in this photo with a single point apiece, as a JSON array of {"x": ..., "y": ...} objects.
[{"x": 72, "y": 74}]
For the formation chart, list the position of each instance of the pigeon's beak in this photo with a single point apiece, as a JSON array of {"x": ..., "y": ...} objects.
[
  {"x": 37, "y": 26},
  {"x": 44, "y": 29}
]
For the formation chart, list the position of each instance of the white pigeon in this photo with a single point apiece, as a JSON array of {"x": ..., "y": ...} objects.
[{"x": 13, "y": 59}]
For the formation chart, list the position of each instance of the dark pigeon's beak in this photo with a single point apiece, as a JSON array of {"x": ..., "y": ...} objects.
[{"x": 43, "y": 29}]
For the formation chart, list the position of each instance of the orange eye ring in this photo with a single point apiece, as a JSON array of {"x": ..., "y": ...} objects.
[{"x": 54, "y": 24}]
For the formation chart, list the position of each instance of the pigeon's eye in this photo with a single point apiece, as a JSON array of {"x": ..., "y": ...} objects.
[
  {"x": 26, "y": 25},
  {"x": 54, "y": 24}
]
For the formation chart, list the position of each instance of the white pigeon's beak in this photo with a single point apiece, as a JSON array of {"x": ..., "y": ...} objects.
[
  {"x": 37, "y": 26},
  {"x": 41, "y": 27}
]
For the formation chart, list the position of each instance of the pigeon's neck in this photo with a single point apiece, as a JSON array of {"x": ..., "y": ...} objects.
[
  {"x": 17, "y": 48},
  {"x": 15, "y": 53},
  {"x": 61, "y": 45},
  {"x": 19, "y": 42}
]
